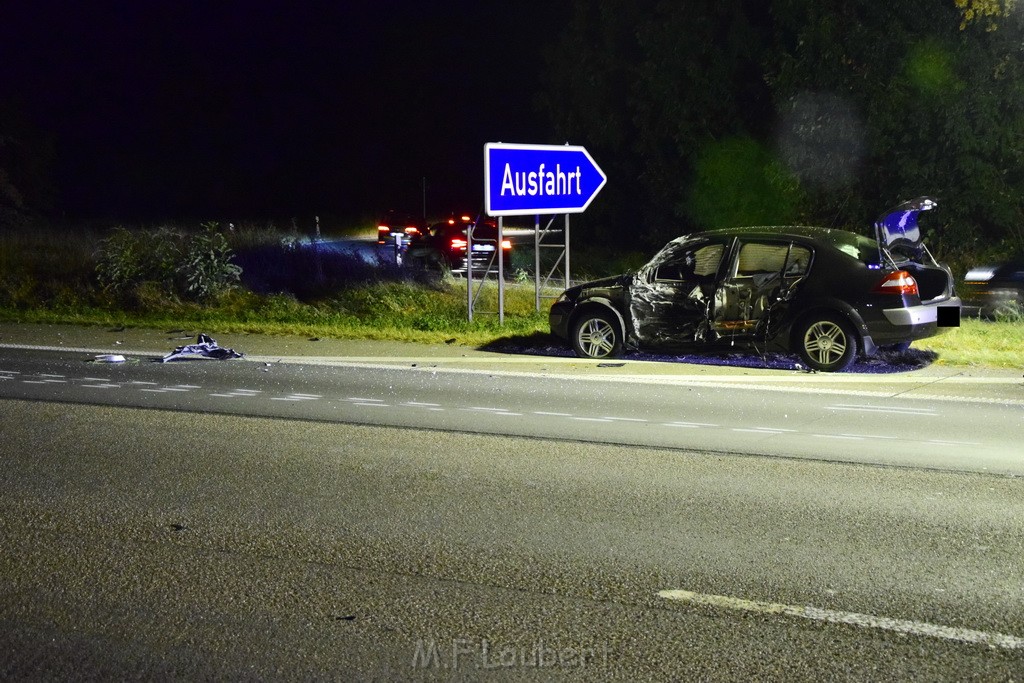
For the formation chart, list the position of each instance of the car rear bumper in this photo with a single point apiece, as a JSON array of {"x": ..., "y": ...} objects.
[{"x": 925, "y": 314}]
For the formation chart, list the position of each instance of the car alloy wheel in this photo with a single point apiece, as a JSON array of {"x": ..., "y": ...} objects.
[
  {"x": 827, "y": 344},
  {"x": 596, "y": 335}
]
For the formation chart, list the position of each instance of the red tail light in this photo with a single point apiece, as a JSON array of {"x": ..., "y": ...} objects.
[
  {"x": 383, "y": 228},
  {"x": 412, "y": 230},
  {"x": 458, "y": 243},
  {"x": 900, "y": 282},
  {"x": 506, "y": 244}
]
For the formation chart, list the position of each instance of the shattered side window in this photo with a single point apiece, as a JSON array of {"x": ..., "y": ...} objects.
[
  {"x": 799, "y": 261},
  {"x": 691, "y": 264},
  {"x": 759, "y": 259}
]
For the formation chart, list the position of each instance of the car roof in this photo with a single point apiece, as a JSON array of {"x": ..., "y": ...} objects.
[{"x": 832, "y": 235}]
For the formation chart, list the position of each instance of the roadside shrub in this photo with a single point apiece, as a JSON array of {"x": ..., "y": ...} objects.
[
  {"x": 193, "y": 267},
  {"x": 206, "y": 265}
]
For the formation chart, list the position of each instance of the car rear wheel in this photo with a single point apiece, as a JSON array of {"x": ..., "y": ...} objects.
[
  {"x": 596, "y": 334},
  {"x": 826, "y": 343}
]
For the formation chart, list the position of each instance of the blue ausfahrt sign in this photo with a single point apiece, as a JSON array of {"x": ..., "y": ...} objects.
[{"x": 521, "y": 180}]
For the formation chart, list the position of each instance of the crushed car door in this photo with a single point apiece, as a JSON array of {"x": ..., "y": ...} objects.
[
  {"x": 670, "y": 299},
  {"x": 761, "y": 276}
]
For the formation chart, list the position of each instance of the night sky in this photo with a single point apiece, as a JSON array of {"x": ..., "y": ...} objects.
[{"x": 271, "y": 109}]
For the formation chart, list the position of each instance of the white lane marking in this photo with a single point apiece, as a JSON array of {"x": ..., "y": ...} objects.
[
  {"x": 365, "y": 400},
  {"x": 372, "y": 405},
  {"x": 885, "y": 409},
  {"x": 239, "y": 393},
  {"x": 147, "y": 384},
  {"x": 841, "y": 437},
  {"x": 101, "y": 386},
  {"x": 418, "y": 404},
  {"x": 47, "y": 375},
  {"x": 944, "y": 442},
  {"x": 55, "y": 381},
  {"x": 487, "y": 409},
  {"x": 542, "y": 412},
  {"x": 624, "y": 419},
  {"x": 762, "y": 430},
  {"x": 688, "y": 424},
  {"x": 33, "y": 381},
  {"x": 296, "y": 397},
  {"x": 917, "y": 628},
  {"x": 591, "y": 419},
  {"x": 869, "y": 436}
]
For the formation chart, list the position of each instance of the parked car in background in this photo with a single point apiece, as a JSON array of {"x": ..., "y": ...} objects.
[
  {"x": 397, "y": 224},
  {"x": 445, "y": 245},
  {"x": 995, "y": 289},
  {"x": 824, "y": 294}
]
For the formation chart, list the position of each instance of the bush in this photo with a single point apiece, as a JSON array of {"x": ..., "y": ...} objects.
[{"x": 192, "y": 267}]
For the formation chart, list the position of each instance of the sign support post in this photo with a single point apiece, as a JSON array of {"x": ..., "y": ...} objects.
[{"x": 523, "y": 180}]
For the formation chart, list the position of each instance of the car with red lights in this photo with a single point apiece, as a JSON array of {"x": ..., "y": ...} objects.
[
  {"x": 445, "y": 245},
  {"x": 828, "y": 295},
  {"x": 398, "y": 224},
  {"x": 995, "y": 290}
]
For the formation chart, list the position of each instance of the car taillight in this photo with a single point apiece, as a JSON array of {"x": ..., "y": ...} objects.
[
  {"x": 900, "y": 282},
  {"x": 506, "y": 244},
  {"x": 458, "y": 243},
  {"x": 412, "y": 230},
  {"x": 383, "y": 228}
]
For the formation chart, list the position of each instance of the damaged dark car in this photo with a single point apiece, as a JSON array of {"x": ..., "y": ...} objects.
[{"x": 827, "y": 295}]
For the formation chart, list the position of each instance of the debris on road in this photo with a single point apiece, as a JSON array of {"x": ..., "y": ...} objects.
[{"x": 205, "y": 347}]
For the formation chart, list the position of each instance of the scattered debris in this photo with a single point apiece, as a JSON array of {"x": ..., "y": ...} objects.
[
  {"x": 205, "y": 347},
  {"x": 610, "y": 365},
  {"x": 109, "y": 358}
]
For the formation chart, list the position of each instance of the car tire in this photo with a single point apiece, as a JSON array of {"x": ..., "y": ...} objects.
[
  {"x": 825, "y": 342},
  {"x": 596, "y": 334}
]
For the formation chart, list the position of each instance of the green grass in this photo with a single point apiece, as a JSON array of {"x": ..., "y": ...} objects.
[{"x": 978, "y": 343}]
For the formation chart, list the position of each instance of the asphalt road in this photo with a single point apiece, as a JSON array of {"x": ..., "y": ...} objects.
[
  {"x": 153, "y": 544},
  {"x": 897, "y": 420},
  {"x": 289, "y": 517}
]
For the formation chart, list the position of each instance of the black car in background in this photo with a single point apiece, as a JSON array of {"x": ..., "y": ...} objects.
[
  {"x": 397, "y": 224},
  {"x": 995, "y": 290},
  {"x": 445, "y": 246},
  {"x": 822, "y": 293}
]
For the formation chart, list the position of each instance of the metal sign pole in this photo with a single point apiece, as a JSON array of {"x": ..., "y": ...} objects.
[
  {"x": 567, "y": 279},
  {"x": 536, "y": 259},
  {"x": 469, "y": 271},
  {"x": 501, "y": 271}
]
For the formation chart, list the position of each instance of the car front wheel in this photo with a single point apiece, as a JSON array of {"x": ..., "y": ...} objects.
[
  {"x": 826, "y": 343},
  {"x": 596, "y": 334}
]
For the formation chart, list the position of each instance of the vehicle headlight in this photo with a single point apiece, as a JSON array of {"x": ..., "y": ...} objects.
[{"x": 979, "y": 275}]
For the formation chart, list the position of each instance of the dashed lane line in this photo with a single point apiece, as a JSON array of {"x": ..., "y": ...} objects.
[{"x": 906, "y": 626}]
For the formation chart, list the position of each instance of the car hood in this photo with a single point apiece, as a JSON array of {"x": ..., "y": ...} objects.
[
  {"x": 614, "y": 282},
  {"x": 898, "y": 228}
]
